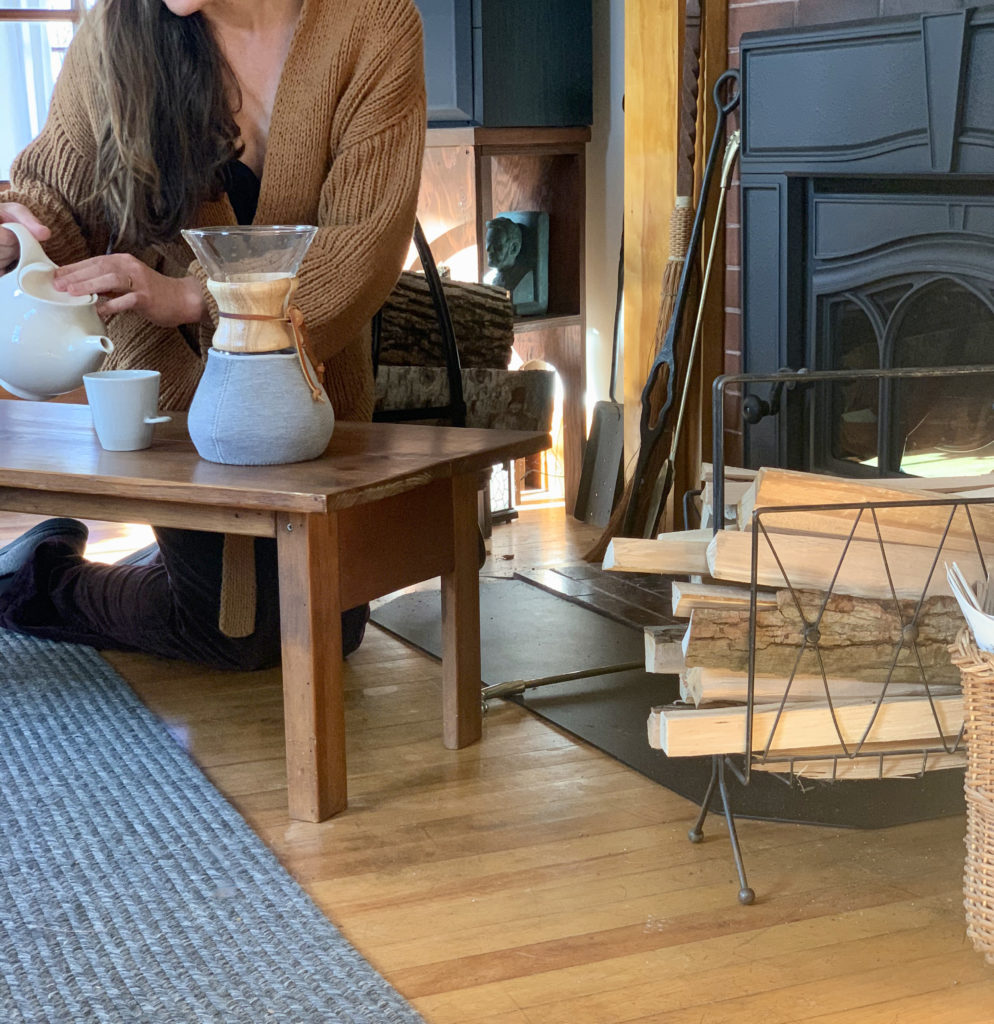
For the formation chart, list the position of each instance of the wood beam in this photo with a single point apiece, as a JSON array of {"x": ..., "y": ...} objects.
[{"x": 653, "y": 39}]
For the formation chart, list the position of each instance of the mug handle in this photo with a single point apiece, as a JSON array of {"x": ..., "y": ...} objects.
[{"x": 157, "y": 419}]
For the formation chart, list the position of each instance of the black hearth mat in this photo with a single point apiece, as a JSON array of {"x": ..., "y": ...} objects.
[
  {"x": 636, "y": 599},
  {"x": 525, "y": 632}
]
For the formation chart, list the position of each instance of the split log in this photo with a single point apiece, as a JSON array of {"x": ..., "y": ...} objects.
[
  {"x": 817, "y": 562},
  {"x": 731, "y": 473},
  {"x": 664, "y": 649},
  {"x": 688, "y": 596},
  {"x": 923, "y": 523},
  {"x": 495, "y": 399},
  {"x": 936, "y": 484},
  {"x": 876, "y": 761},
  {"x": 857, "y": 637},
  {"x": 974, "y": 492},
  {"x": 702, "y": 685},
  {"x": 663, "y": 652},
  {"x": 688, "y": 732},
  {"x": 734, "y": 492},
  {"x": 482, "y": 320},
  {"x": 943, "y": 484},
  {"x": 681, "y": 553}
]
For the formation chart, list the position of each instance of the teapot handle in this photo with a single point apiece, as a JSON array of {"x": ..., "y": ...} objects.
[{"x": 31, "y": 250}]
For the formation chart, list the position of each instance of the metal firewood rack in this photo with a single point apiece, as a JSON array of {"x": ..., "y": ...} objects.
[{"x": 764, "y": 541}]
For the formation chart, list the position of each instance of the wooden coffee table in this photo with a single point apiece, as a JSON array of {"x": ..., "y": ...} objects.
[{"x": 386, "y": 506}]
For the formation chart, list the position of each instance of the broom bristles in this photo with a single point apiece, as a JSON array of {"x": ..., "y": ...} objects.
[
  {"x": 681, "y": 225},
  {"x": 598, "y": 549}
]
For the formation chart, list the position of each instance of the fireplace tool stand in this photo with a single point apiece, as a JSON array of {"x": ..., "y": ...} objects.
[{"x": 867, "y": 516}]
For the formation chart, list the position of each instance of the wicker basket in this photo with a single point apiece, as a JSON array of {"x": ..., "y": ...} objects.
[{"x": 977, "y": 671}]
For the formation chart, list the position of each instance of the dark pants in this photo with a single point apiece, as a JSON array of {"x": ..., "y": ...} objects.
[{"x": 169, "y": 607}]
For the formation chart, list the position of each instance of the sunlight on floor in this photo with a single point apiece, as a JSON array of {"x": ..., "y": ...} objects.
[
  {"x": 115, "y": 540},
  {"x": 940, "y": 463},
  {"x": 107, "y": 543}
]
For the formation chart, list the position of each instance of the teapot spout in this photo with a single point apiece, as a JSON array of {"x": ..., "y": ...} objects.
[{"x": 100, "y": 341}]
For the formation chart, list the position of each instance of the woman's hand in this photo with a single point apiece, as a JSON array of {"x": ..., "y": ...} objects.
[
  {"x": 124, "y": 283},
  {"x": 10, "y": 248}
]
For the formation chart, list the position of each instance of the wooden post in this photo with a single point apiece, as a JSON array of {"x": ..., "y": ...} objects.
[{"x": 652, "y": 82}]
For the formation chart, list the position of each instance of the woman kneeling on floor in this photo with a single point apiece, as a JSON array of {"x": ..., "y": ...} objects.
[{"x": 172, "y": 114}]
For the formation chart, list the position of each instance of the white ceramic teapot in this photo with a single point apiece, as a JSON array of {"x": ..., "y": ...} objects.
[{"x": 48, "y": 339}]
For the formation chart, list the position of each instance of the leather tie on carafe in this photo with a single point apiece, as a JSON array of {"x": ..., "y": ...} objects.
[{"x": 295, "y": 318}]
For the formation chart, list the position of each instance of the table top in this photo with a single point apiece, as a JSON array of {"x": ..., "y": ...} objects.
[{"x": 51, "y": 446}]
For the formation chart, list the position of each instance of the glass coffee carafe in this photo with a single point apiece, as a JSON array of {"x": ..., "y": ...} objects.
[{"x": 260, "y": 400}]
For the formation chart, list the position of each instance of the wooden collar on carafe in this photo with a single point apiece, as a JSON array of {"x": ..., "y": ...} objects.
[{"x": 295, "y": 318}]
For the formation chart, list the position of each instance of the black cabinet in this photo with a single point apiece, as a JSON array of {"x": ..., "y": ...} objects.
[{"x": 508, "y": 63}]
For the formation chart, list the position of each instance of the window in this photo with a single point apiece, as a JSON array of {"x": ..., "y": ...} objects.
[{"x": 34, "y": 35}]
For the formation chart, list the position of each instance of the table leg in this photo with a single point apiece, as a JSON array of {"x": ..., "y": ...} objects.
[
  {"x": 461, "y": 697},
  {"x": 313, "y": 691}
]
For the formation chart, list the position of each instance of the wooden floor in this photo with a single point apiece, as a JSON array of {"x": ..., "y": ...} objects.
[{"x": 533, "y": 880}]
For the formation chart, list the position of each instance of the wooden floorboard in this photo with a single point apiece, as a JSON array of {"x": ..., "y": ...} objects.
[{"x": 531, "y": 879}]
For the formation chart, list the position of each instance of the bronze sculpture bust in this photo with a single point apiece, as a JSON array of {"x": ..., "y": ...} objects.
[{"x": 517, "y": 253}]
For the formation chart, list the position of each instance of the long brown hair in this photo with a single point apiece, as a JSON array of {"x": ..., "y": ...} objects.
[{"x": 168, "y": 129}]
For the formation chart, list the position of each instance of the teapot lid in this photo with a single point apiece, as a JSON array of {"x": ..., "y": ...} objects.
[{"x": 36, "y": 281}]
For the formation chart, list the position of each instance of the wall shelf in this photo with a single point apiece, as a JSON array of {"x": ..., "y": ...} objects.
[
  {"x": 507, "y": 81},
  {"x": 470, "y": 175},
  {"x": 523, "y": 325}
]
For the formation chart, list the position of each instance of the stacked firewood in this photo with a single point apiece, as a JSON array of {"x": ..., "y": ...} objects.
[
  {"x": 412, "y": 371},
  {"x": 482, "y": 318},
  {"x": 820, "y": 619}
]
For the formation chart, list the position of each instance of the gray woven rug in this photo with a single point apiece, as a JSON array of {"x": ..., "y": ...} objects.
[{"x": 130, "y": 890}]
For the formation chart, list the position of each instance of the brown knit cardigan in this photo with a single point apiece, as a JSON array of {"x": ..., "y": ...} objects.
[{"x": 344, "y": 152}]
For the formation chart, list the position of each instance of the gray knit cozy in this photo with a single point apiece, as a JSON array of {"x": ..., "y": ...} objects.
[{"x": 256, "y": 409}]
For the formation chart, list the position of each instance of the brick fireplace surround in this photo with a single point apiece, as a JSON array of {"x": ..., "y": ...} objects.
[{"x": 770, "y": 15}]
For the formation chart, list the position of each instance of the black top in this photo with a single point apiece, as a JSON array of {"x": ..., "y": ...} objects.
[{"x": 242, "y": 187}]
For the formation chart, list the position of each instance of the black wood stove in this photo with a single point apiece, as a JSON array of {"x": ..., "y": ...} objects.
[{"x": 867, "y": 187}]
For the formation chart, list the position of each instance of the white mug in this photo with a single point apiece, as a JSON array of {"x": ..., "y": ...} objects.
[{"x": 125, "y": 406}]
